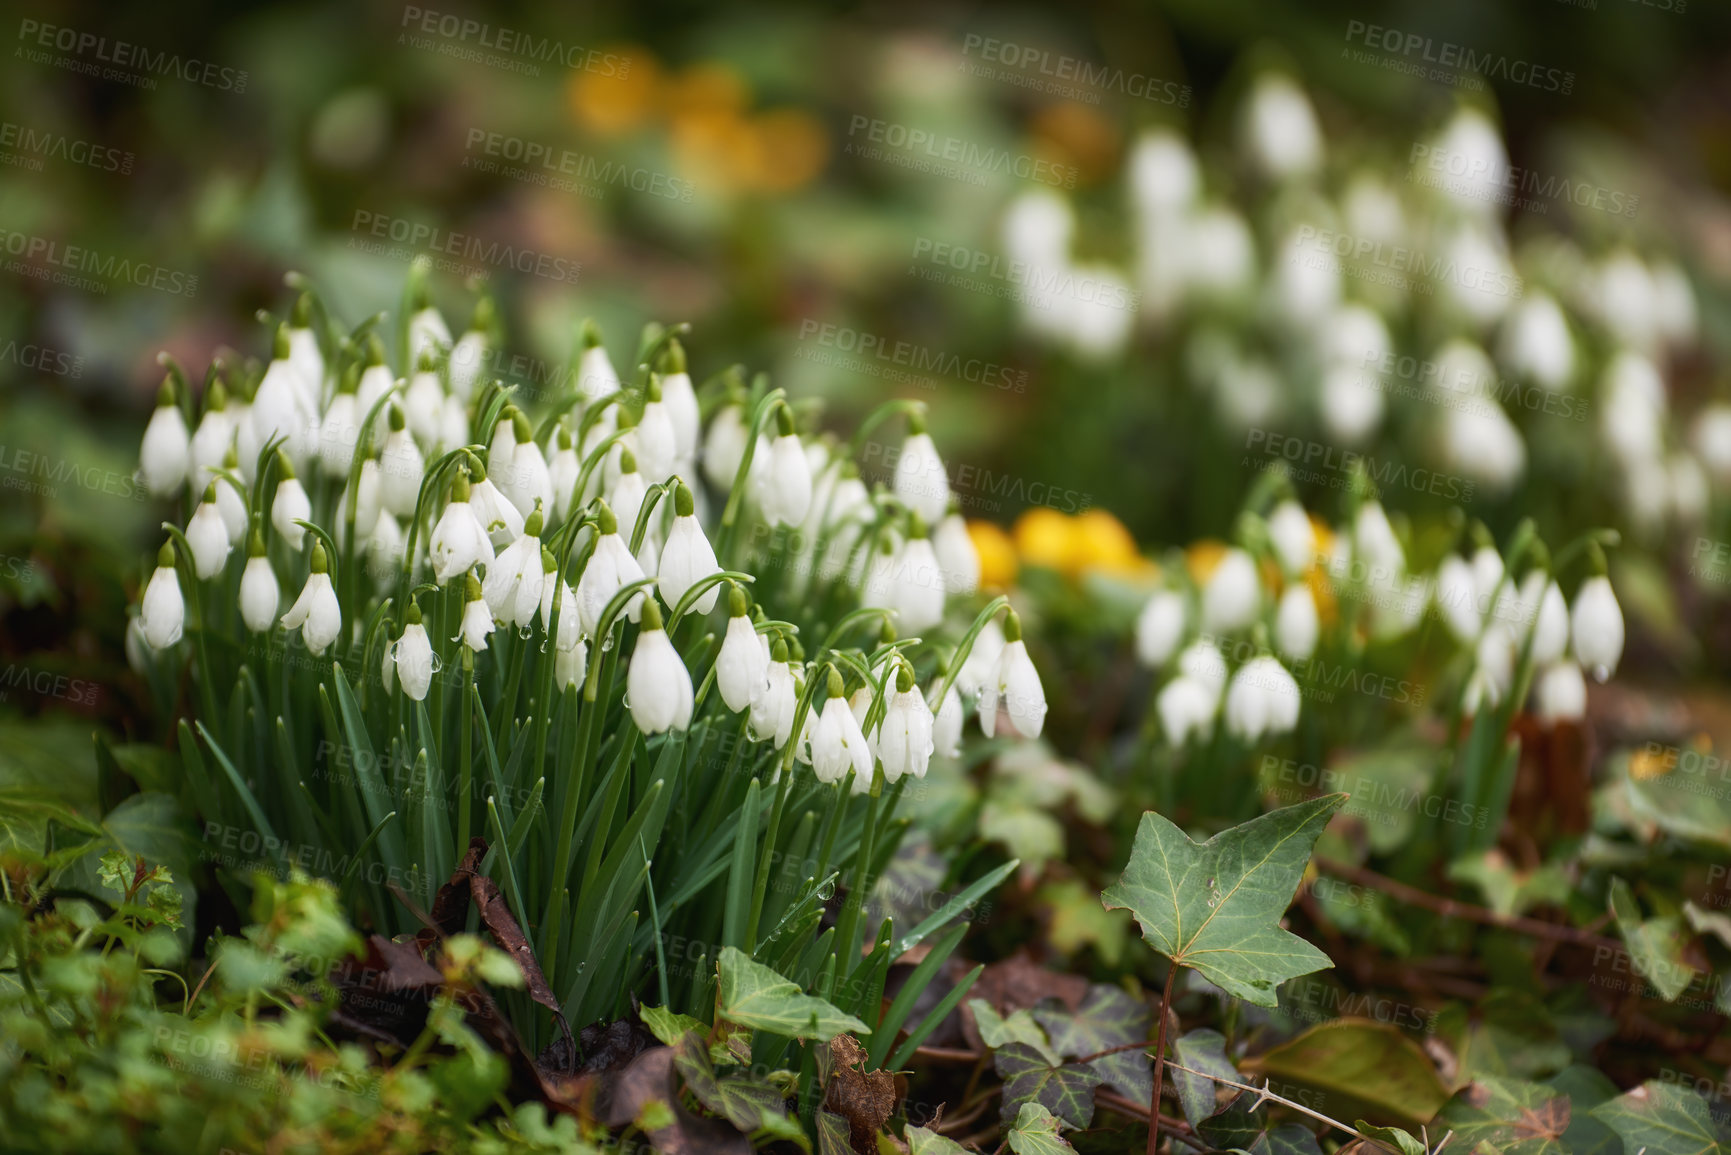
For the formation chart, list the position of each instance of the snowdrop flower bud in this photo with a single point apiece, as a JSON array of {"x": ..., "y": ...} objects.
[
  {"x": 477, "y": 618},
  {"x": 458, "y": 542},
  {"x": 1293, "y": 536},
  {"x": 776, "y": 700},
  {"x": 741, "y": 668},
  {"x": 428, "y": 333},
  {"x": 1164, "y": 174},
  {"x": 1352, "y": 404},
  {"x": 1263, "y": 699},
  {"x": 162, "y": 616},
  {"x": 400, "y": 468},
  {"x": 724, "y": 446},
  {"x": 837, "y": 745},
  {"x": 366, "y": 505},
  {"x": 316, "y": 613},
  {"x": 1674, "y": 310},
  {"x": 1233, "y": 594},
  {"x": 947, "y": 725},
  {"x": 290, "y": 505},
  {"x": 375, "y": 382},
  {"x": 1474, "y": 147},
  {"x": 1688, "y": 488},
  {"x": 596, "y": 377},
  {"x": 1548, "y": 614},
  {"x": 207, "y": 535},
  {"x": 1456, "y": 598},
  {"x": 231, "y": 503},
  {"x": 1561, "y": 693},
  {"x": 304, "y": 355},
  {"x": 570, "y": 665},
  {"x": 658, "y": 686},
  {"x": 1375, "y": 544},
  {"x": 1016, "y": 685},
  {"x": 469, "y": 354},
  {"x": 1186, "y": 708},
  {"x": 1159, "y": 628},
  {"x": 657, "y": 443},
  {"x": 386, "y": 547},
  {"x": 905, "y": 741},
  {"x": 917, "y": 590},
  {"x": 570, "y": 629},
  {"x": 1598, "y": 627},
  {"x": 260, "y": 596},
  {"x": 1296, "y": 625},
  {"x": 1495, "y": 657},
  {"x": 279, "y": 406},
  {"x": 214, "y": 436},
  {"x": 562, "y": 472},
  {"x": 424, "y": 402},
  {"x": 413, "y": 654},
  {"x": 164, "y": 457},
  {"x": 610, "y": 569},
  {"x": 957, "y": 557},
  {"x": 785, "y": 489},
  {"x": 533, "y": 482},
  {"x": 1202, "y": 663},
  {"x": 920, "y": 481},
  {"x": 628, "y": 492},
  {"x": 1712, "y": 440},
  {"x": 340, "y": 431},
  {"x": 681, "y": 400},
  {"x": 1536, "y": 343},
  {"x": 687, "y": 558},
  {"x": 513, "y": 584},
  {"x": 1279, "y": 128},
  {"x": 497, "y": 515}
]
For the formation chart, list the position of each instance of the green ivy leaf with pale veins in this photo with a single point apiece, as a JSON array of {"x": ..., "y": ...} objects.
[
  {"x": 755, "y": 996},
  {"x": 1067, "y": 1092},
  {"x": 1216, "y": 906}
]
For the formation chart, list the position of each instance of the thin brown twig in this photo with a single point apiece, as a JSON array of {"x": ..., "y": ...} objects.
[
  {"x": 1179, "y": 1128},
  {"x": 1160, "y": 1060}
]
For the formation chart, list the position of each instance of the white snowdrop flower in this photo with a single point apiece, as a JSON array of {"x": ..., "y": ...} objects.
[
  {"x": 1352, "y": 404},
  {"x": 1495, "y": 661},
  {"x": 570, "y": 665},
  {"x": 1487, "y": 571},
  {"x": 1296, "y": 624},
  {"x": 1165, "y": 177},
  {"x": 1099, "y": 316},
  {"x": 1544, "y": 611},
  {"x": 413, "y": 656},
  {"x": 1483, "y": 283},
  {"x": 570, "y": 630},
  {"x": 627, "y": 494},
  {"x": 657, "y": 443},
  {"x": 165, "y": 455},
  {"x": 1632, "y": 417},
  {"x": 776, "y": 701},
  {"x": 453, "y": 424},
  {"x": 1372, "y": 209},
  {"x": 563, "y": 470},
  {"x": 610, "y": 569},
  {"x": 1468, "y": 163},
  {"x": 917, "y": 590},
  {"x": 957, "y": 557},
  {"x": 658, "y": 686},
  {"x": 470, "y": 354},
  {"x": 401, "y": 467},
  {"x": 260, "y": 595},
  {"x": 1463, "y": 370},
  {"x": 1483, "y": 444},
  {"x": 1262, "y": 699},
  {"x": 947, "y": 725},
  {"x": 982, "y": 660},
  {"x": 477, "y": 623},
  {"x": 1598, "y": 627},
  {"x": 231, "y": 504},
  {"x": 340, "y": 432},
  {"x": 1186, "y": 709},
  {"x": 207, "y": 537},
  {"x": 1536, "y": 344},
  {"x": 375, "y": 382},
  {"x": 279, "y": 407},
  {"x": 1202, "y": 663},
  {"x": 921, "y": 483},
  {"x": 424, "y": 404},
  {"x": 1159, "y": 628},
  {"x": 1016, "y": 686},
  {"x": 1712, "y": 440},
  {"x": 316, "y": 613},
  {"x": 1304, "y": 284},
  {"x": 458, "y": 541},
  {"x": 687, "y": 558},
  {"x": 1456, "y": 598},
  {"x": 304, "y": 353},
  {"x": 496, "y": 513},
  {"x": 724, "y": 446},
  {"x": 1688, "y": 488},
  {"x": 428, "y": 333},
  {"x": 1355, "y": 338},
  {"x": 162, "y": 614},
  {"x": 1279, "y": 129},
  {"x": 1293, "y": 537},
  {"x": 1037, "y": 229},
  {"x": 1561, "y": 693},
  {"x": 1233, "y": 594},
  {"x": 1674, "y": 311},
  {"x": 1626, "y": 299},
  {"x": 289, "y": 506},
  {"x": 596, "y": 377},
  {"x": 1375, "y": 544},
  {"x": 385, "y": 549},
  {"x": 785, "y": 490},
  {"x": 525, "y": 479},
  {"x": 680, "y": 399},
  {"x": 1218, "y": 253},
  {"x": 213, "y": 438},
  {"x": 741, "y": 667},
  {"x": 649, "y": 553},
  {"x": 367, "y": 505},
  {"x": 513, "y": 583},
  {"x": 905, "y": 740},
  {"x": 837, "y": 744}
]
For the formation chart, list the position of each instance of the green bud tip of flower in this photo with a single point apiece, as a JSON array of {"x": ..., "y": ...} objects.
[
  {"x": 795, "y": 651},
  {"x": 1480, "y": 535},
  {"x": 216, "y": 398},
  {"x": 916, "y": 525},
  {"x": 1012, "y": 627},
  {"x": 548, "y": 562},
  {"x": 886, "y": 632},
  {"x": 849, "y": 469},
  {"x": 778, "y": 651},
  {"x": 419, "y": 297},
  {"x": 284, "y": 467},
  {"x": 397, "y": 418},
  {"x": 209, "y": 494},
  {"x": 673, "y": 360},
  {"x": 627, "y": 460},
  {"x": 165, "y": 556},
  {"x": 302, "y": 316},
  {"x": 231, "y": 459},
  {"x": 165, "y": 395},
  {"x": 905, "y": 678},
  {"x": 590, "y": 334},
  {"x": 428, "y": 363},
  {"x": 413, "y": 616},
  {"x": 533, "y": 524},
  {"x": 375, "y": 350},
  {"x": 477, "y": 471},
  {"x": 836, "y": 687},
  {"x": 564, "y": 438},
  {"x": 255, "y": 545},
  {"x": 460, "y": 488},
  {"x": 605, "y": 521},
  {"x": 684, "y": 504},
  {"x": 651, "y": 615},
  {"x": 279, "y": 349},
  {"x": 916, "y": 421},
  {"x": 625, "y": 419},
  {"x": 520, "y": 426},
  {"x": 652, "y": 391},
  {"x": 486, "y": 312},
  {"x": 321, "y": 563},
  {"x": 471, "y": 587},
  {"x": 736, "y": 603},
  {"x": 784, "y": 421}
]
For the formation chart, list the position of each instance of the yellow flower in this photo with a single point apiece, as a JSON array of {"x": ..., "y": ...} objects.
[
  {"x": 791, "y": 149},
  {"x": 613, "y": 104},
  {"x": 1102, "y": 543},
  {"x": 1201, "y": 558},
  {"x": 1045, "y": 537},
  {"x": 997, "y": 554}
]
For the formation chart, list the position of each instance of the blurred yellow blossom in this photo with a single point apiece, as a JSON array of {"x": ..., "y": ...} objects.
[
  {"x": 610, "y": 105},
  {"x": 997, "y": 554}
]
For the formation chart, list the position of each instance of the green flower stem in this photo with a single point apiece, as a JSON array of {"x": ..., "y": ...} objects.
[
  {"x": 760, "y": 416},
  {"x": 465, "y": 763}
]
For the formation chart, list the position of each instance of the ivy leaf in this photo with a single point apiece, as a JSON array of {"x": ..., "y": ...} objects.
[
  {"x": 1394, "y": 1138},
  {"x": 833, "y": 1136},
  {"x": 1067, "y": 1092},
  {"x": 1655, "y": 945},
  {"x": 757, "y": 997},
  {"x": 1107, "y": 1018},
  {"x": 746, "y": 1103},
  {"x": 1200, "y": 1050},
  {"x": 925, "y": 1142},
  {"x": 1361, "y": 1068},
  {"x": 1515, "y": 1117},
  {"x": 1664, "y": 1119},
  {"x": 1001, "y": 1030},
  {"x": 1216, "y": 906},
  {"x": 1035, "y": 1132},
  {"x": 668, "y": 1026},
  {"x": 1236, "y": 1126},
  {"x": 1287, "y": 1139}
]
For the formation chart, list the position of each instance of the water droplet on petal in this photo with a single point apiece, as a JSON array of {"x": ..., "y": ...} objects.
[{"x": 1601, "y": 674}]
